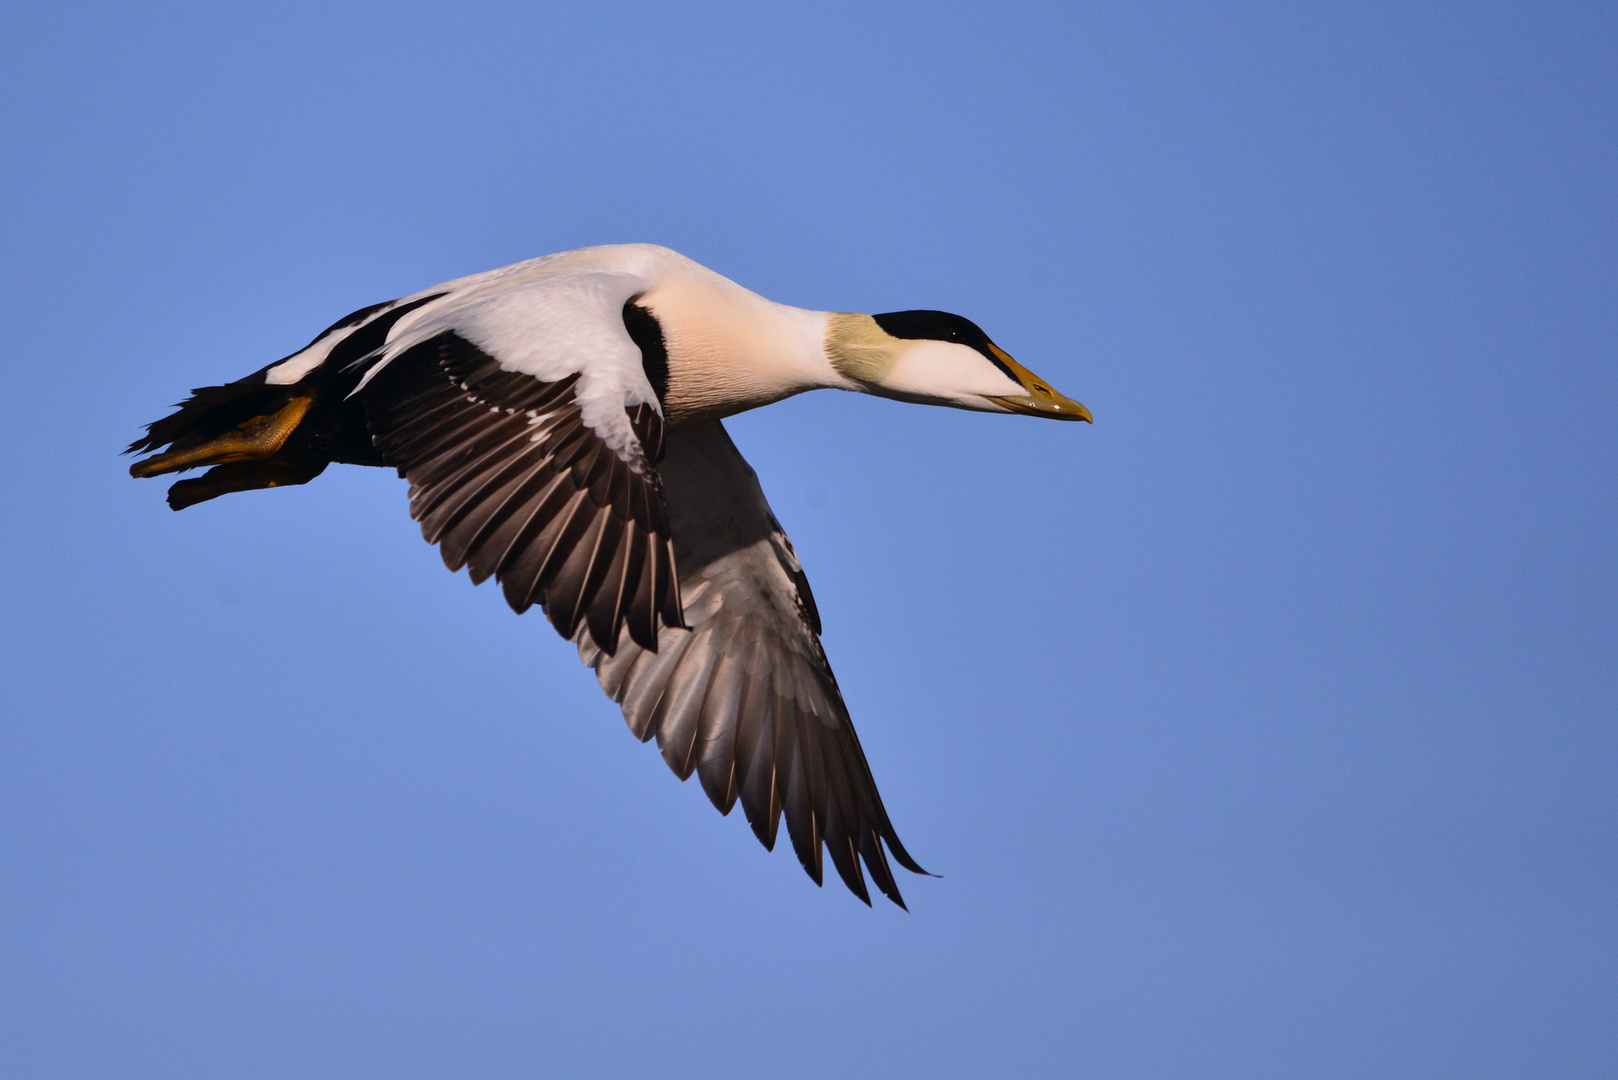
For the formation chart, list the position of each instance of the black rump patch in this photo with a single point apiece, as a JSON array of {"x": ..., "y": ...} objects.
[{"x": 941, "y": 326}]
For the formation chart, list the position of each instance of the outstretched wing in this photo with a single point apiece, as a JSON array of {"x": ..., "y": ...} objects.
[
  {"x": 745, "y": 698},
  {"x": 509, "y": 477}
]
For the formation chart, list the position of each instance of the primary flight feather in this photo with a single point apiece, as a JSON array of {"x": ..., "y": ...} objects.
[{"x": 559, "y": 423}]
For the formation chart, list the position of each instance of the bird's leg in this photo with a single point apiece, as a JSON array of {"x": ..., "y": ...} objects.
[
  {"x": 243, "y": 476},
  {"x": 255, "y": 439}
]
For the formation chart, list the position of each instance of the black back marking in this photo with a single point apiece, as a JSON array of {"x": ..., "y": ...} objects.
[
  {"x": 647, "y": 333},
  {"x": 365, "y": 341},
  {"x": 351, "y": 318}
]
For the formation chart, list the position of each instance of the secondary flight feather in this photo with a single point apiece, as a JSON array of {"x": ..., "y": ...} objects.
[{"x": 559, "y": 422}]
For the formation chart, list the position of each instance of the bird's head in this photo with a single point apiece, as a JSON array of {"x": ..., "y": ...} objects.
[{"x": 936, "y": 358}]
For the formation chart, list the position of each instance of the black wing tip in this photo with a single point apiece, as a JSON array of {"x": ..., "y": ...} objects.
[
  {"x": 899, "y": 853},
  {"x": 855, "y": 884},
  {"x": 854, "y": 879},
  {"x": 883, "y": 876}
]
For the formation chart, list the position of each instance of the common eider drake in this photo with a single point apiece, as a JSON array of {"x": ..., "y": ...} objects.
[{"x": 559, "y": 423}]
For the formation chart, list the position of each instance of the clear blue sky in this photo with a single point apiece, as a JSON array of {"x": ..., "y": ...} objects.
[{"x": 1265, "y": 729}]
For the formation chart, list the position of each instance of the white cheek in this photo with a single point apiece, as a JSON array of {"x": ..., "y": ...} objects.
[{"x": 945, "y": 369}]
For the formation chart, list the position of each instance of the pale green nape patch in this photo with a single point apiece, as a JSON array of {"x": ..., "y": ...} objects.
[{"x": 858, "y": 348}]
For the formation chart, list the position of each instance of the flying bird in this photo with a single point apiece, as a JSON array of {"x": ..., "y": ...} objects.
[{"x": 559, "y": 423}]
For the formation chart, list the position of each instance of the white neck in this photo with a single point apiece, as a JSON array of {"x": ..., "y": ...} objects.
[{"x": 730, "y": 349}]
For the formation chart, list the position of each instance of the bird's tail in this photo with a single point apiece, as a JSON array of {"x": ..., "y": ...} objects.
[
  {"x": 258, "y": 434},
  {"x": 245, "y": 430}
]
